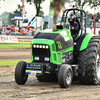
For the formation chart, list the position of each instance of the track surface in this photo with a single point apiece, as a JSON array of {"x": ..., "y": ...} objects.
[
  {"x": 15, "y": 54},
  {"x": 34, "y": 90}
]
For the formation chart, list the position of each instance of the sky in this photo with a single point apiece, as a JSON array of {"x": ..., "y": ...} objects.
[{"x": 11, "y": 5}]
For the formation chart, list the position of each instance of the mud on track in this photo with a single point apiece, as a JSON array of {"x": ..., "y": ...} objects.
[{"x": 34, "y": 90}]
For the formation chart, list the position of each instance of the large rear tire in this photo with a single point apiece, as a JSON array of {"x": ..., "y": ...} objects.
[
  {"x": 20, "y": 76},
  {"x": 89, "y": 61},
  {"x": 65, "y": 76}
]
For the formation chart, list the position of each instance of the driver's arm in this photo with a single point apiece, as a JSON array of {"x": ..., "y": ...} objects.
[{"x": 76, "y": 26}]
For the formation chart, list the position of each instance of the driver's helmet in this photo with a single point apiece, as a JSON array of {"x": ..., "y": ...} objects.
[{"x": 71, "y": 18}]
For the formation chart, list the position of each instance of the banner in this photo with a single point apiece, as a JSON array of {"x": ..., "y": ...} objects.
[
  {"x": 8, "y": 39},
  {"x": 50, "y": 10}
]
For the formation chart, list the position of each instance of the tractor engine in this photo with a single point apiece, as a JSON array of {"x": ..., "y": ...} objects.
[{"x": 50, "y": 46}]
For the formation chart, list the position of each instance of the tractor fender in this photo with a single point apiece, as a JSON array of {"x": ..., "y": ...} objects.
[{"x": 83, "y": 41}]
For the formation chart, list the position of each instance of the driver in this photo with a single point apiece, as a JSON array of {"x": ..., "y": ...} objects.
[{"x": 73, "y": 25}]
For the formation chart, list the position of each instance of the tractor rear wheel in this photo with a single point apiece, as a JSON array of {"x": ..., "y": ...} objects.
[
  {"x": 89, "y": 61},
  {"x": 20, "y": 76}
]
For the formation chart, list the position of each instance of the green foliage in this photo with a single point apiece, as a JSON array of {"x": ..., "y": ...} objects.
[
  {"x": 37, "y": 4},
  {"x": 4, "y": 17},
  {"x": 4, "y": 20},
  {"x": 18, "y": 11},
  {"x": 94, "y": 3},
  {"x": 11, "y": 15},
  {"x": 82, "y": 4}
]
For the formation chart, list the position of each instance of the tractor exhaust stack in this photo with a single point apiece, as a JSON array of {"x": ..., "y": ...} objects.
[
  {"x": 57, "y": 6},
  {"x": 54, "y": 27}
]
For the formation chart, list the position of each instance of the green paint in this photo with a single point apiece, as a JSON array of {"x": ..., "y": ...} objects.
[
  {"x": 38, "y": 71},
  {"x": 86, "y": 41},
  {"x": 32, "y": 52},
  {"x": 29, "y": 71},
  {"x": 66, "y": 50},
  {"x": 65, "y": 33},
  {"x": 55, "y": 56},
  {"x": 59, "y": 45}
]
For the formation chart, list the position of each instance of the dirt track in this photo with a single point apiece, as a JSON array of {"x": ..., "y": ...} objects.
[
  {"x": 15, "y": 54},
  {"x": 34, "y": 90}
]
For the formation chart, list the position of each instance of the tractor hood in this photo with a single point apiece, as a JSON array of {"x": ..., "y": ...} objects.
[
  {"x": 61, "y": 38},
  {"x": 65, "y": 33},
  {"x": 52, "y": 44}
]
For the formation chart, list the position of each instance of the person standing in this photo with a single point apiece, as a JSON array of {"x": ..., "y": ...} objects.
[{"x": 16, "y": 29}]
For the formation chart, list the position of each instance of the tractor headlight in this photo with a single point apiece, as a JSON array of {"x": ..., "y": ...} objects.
[
  {"x": 36, "y": 58},
  {"x": 41, "y": 46},
  {"x": 47, "y": 46},
  {"x": 38, "y": 46},
  {"x": 46, "y": 59},
  {"x": 34, "y": 46}
]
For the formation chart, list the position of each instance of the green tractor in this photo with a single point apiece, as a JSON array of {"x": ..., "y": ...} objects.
[{"x": 56, "y": 57}]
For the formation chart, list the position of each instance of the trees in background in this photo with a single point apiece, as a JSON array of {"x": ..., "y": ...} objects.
[
  {"x": 94, "y": 3},
  {"x": 83, "y": 4},
  {"x": 11, "y": 15},
  {"x": 37, "y": 4},
  {"x": 80, "y": 4},
  {"x": 17, "y": 11}
]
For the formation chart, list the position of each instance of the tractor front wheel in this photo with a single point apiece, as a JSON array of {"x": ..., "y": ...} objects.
[
  {"x": 65, "y": 76},
  {"x": 20, "y": 76}
]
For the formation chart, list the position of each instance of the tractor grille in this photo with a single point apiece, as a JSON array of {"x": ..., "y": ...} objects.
[{"x": 41, "y": 53}]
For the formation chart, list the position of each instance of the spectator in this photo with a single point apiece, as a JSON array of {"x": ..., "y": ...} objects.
[
  {"x": 8, "y": 30},
  {"x": 22, "y": 32},
  {"x": 30, "y": 31},
  {"x": 16, "y": 29},
  {"x": 33, "y": 32},
  {"x": 1, "y": 30},
  {"x": 36, "y": 30},
  {"x": 41, "y": 28},
  {"x": 5, "y": 28},
  {"x": 25, "y": 30}
]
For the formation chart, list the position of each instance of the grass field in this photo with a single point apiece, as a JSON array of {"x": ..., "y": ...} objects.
[
  {"x": 11, "y": 63},
  {"x": 14, "y": 45}
]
